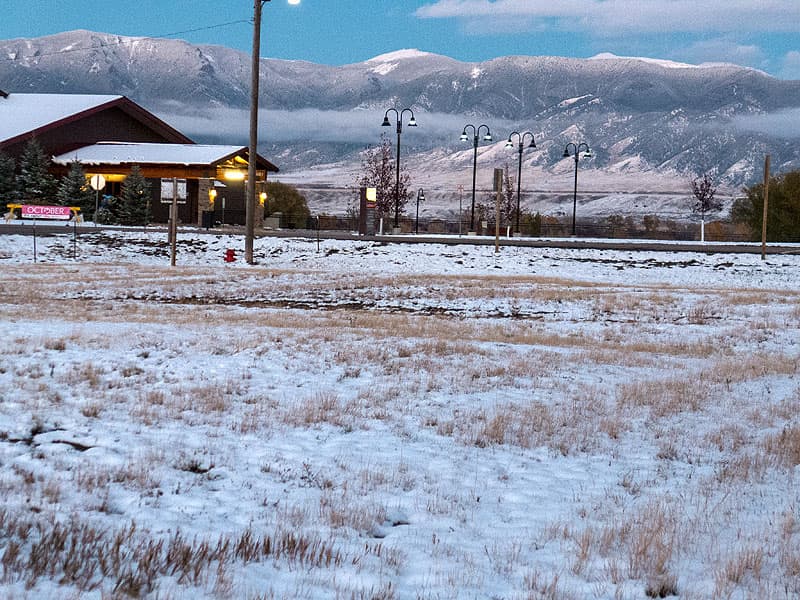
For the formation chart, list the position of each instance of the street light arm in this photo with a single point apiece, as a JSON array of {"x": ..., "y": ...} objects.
[
  {"x": 412, "y": 122},
  {"x": 521, "y": 137},
  {"x": 386, "y": 122},
  {"x": 522, "y": 140}
]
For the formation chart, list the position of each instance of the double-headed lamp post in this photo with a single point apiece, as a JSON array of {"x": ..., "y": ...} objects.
[
  {"x": 521, "y": 145},
  {"x": 575, "y": 150},
  {"x": 412, "y": 122},
  {"x": 487, "y": 137},
  {"x": 252, "y": 152}
]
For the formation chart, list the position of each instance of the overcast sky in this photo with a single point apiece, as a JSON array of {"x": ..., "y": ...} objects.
[{"x": 756, "y": 33}]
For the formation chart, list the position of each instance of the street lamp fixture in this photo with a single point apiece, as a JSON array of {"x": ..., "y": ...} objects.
[
  {"x": 521, "y": 145},
  {"x": 412, "y": 122},
  {"x": 574, "y": 150},
  {"x": 252, "y": 153},
  {"x": 420, "y": 198},
  {"x": 476, "y": 134}
]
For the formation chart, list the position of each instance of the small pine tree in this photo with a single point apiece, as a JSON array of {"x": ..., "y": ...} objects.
[
  {"x": 133, "y": 207},
  {"x": 34, "y": 182},
  {"x": 74, "y": 190},
  {"x": 7, "y": 184}
]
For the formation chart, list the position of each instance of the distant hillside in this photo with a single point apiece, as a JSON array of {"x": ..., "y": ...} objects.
[{"x": 651, "y": 124}]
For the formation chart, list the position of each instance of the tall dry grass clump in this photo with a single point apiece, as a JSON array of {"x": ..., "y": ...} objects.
[{"x": 128, "y": 562}]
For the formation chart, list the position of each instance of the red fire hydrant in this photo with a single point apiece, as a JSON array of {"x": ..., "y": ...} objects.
[{"x": 230, "y": 255}]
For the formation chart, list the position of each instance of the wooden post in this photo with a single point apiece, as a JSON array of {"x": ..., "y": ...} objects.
[
  {"x": 498, "y": 188},
  {"x": 173, "y": 223},
  {"x": 764, "y": 218}
]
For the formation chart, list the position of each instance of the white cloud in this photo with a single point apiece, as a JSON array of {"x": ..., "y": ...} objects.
[
  {"x": 722, "y": 51},
  {"x": 783, "y": 123},
  {"x": 227, "y": 125},
  {"x": 790, "y": 69},
  {"x": 641, "y": 16}
]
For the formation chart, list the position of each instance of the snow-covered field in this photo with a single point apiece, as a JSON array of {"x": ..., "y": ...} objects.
[{"x": 385, "y": 421}]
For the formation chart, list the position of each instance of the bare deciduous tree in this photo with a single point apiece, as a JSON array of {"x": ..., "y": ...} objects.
[
  {"x": 704, "y": 189},
  {"x": 378, "y": 171}
]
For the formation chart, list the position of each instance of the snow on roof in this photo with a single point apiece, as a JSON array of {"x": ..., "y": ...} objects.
[
  {"x": 23, "y": 113},
  {"x": 109, "y": 153}
]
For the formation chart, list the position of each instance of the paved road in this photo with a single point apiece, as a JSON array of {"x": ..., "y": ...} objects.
[{"x": 583, "y": 243}]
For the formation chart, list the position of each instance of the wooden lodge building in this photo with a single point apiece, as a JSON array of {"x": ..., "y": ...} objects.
[{"x": 108, "y": 135}]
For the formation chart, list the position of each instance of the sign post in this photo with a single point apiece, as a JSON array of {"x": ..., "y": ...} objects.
[
  {"x": 460, "y": 210},
  {"x": 35, "y": 212},
  {"x": 498, "y": 188},
  {"x": 366, "y": 212},
  {"x": 98, "y": 182}
]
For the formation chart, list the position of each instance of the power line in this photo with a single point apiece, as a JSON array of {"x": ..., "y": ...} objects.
[{"x": 127, "y": 41}]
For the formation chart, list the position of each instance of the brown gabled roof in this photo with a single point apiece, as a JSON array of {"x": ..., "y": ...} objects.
[{"x": 52, "y": 115}]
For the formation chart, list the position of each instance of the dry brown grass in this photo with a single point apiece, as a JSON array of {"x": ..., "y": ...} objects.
[
  {"x": 664, "y": 397},
  {"x": 784, "y": 448},
  {"x": 689, "y": 374},
  {"x": 128, "y": 562}
]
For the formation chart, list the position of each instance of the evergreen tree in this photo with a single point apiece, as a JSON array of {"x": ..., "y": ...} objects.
[
  {"x": 34, "y": 182},
  {"x": 783, "y": 208},
  {"x": 133, "y": 207},
  {"x": 6, "y": 181},
  {"x": 378, "y": 170},
  {"x": 74, "y": 190}
]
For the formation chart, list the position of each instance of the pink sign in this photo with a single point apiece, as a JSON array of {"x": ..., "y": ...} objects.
[{"x": 32, "y": 211}]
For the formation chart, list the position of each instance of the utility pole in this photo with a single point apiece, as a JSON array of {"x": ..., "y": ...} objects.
[{"x": 250, "y": 191}]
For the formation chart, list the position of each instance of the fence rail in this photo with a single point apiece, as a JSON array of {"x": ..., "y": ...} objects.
[{"x": 608, "y": 228}]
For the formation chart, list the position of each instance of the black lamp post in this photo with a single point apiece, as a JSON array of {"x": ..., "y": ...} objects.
[
  {"x": 420, "y": 198},
  {"x": 521, "y": 144},
  {"x": 574, "y": 150},
  {"x": 412, "y": 122},
  {"x": 476, "y": 132}
]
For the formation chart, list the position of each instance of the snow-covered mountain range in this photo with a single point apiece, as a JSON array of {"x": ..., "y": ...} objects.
[{"x": 651, "y": 124}]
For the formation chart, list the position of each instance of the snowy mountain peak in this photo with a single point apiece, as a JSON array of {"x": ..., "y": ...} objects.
[
  {"x": 399, "y": 55},
  {"x": 667, "y": 64}
]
